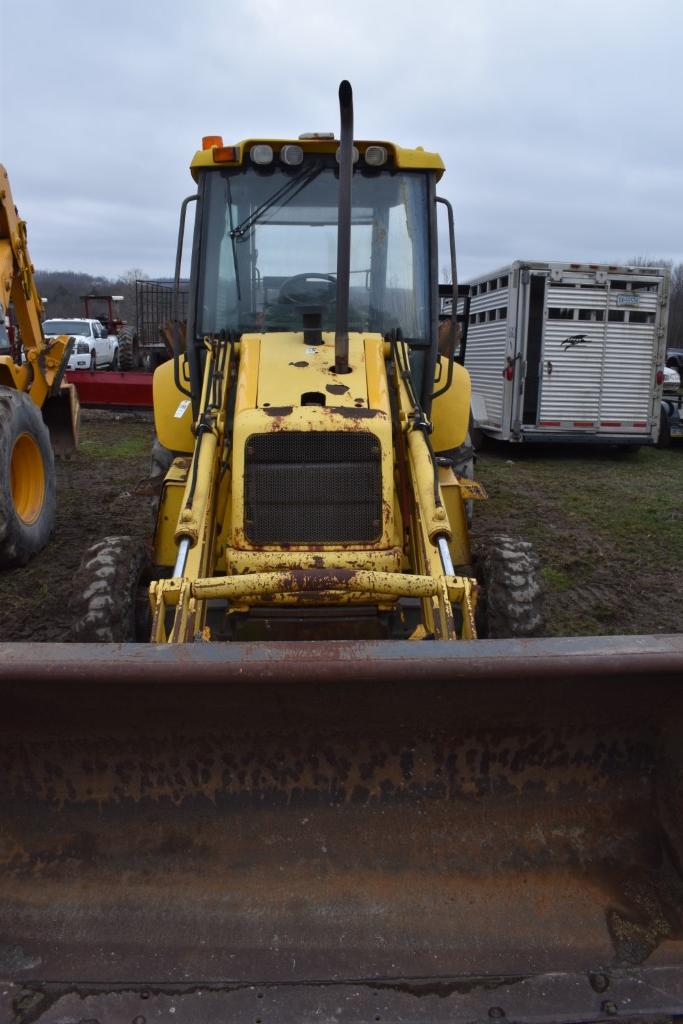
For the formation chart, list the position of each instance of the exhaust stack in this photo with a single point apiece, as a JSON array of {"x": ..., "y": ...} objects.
[{"x": 341, "y": 336}]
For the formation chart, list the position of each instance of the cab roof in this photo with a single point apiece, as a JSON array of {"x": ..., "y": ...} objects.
[{"x": 215, "y": 154}]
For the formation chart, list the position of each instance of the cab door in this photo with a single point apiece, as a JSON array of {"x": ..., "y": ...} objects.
[{"x": 101, "y": 345}]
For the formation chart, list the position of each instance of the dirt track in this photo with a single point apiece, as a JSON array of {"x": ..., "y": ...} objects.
[{"x": 608, "y": 527}]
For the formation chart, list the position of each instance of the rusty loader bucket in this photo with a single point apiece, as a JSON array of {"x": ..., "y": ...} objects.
[{"x": 352, "y": 832}]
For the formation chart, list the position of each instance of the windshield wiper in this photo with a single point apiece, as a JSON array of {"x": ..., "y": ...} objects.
[
  {"x": 232, "y": 238},
  {"x": 281, "y": 197}
]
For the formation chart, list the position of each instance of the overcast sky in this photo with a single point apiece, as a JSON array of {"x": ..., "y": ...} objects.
[{"x": 559, "y": 123}]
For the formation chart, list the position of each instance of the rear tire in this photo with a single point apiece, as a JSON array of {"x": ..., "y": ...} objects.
[
  {"x": 511, "y": 599},
  {"x": 129, "y": 349},
  {"x": 462, "y": 460},
  {"x": 160, "y": 462},
  {"x": 109, "y": 596},
  {"x": 27, "y": 479}
]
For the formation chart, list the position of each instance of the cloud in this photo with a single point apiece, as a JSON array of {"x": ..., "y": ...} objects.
[{"x": 557, "y": 123}]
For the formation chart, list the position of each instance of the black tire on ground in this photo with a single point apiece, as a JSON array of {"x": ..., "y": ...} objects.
[
  {"x": 93, "y": 362},
  {"x": 129, "y": 349},
  {"x": 108, "y": 602},
  {"x": 160, "y": 463},
  {"x": 477, "y": 435},
  {"x": 27, "y": 479},
  {"x": 664, "y": 436},
  {"x": 511, "y": 597},
  {"x": 114, "y": 365}
]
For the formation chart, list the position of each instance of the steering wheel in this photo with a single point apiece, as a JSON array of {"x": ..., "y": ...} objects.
[{"x": 308, "y": 289}]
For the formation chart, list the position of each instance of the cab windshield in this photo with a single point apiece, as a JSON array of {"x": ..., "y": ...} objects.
[
  {"x": 269, "y": 250},
  {"x": 66, "y": 327}
]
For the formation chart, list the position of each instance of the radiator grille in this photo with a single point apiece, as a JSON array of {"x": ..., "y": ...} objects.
[{"x": 313, "y": 487}]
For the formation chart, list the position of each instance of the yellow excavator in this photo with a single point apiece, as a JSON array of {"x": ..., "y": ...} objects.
[
  {"x": 39, "y": 412},
  {"x": 282, "y": 776}
]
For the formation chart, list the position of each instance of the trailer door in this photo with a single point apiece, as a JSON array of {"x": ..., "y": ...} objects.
[
  {"x": 573, "y": 352},
  {"x": 531, "y": 346}
]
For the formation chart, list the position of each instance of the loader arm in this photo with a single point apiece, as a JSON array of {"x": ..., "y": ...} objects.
[
  {"x": 46, "y": 361},
  {"x": 194, "y": 581}
]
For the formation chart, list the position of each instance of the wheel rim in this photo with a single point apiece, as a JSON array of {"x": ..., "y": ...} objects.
[{"x": 27, "y": 479}]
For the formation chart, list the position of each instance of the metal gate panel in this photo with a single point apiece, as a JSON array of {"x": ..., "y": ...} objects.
[
  {"x": 487, "y": 349},
  {"x": 573, "y": 356},
  {"x": 628, "y": 379}
]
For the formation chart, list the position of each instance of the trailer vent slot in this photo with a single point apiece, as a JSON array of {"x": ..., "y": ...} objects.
[{"x": 313, "y": 487}]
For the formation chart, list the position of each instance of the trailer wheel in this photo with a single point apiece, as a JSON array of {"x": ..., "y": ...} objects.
[
  {"x": 27, "y": 479},
  {"x": 109, "y": 595},
  {"x": 129, "y": 349},
  {"x": 511, "y": 598},
  {"x": 664, "y": 436}
]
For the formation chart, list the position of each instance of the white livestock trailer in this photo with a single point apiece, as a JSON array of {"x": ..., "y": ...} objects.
[{"x": 570, "y": 352}]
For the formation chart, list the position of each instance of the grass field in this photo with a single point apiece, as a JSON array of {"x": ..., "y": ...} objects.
[{"x": 607, "y": 525}]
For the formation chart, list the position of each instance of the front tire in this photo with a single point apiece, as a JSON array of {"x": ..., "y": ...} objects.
[
  {"x": 511, "y": 599},
  {"x": 27, "y": 479},
  {"x": 108, "y": 603},
  {"x": 93, "y": 362}
]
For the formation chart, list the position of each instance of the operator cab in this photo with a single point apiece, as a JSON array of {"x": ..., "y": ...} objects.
[{"x": 265, "y": 247}]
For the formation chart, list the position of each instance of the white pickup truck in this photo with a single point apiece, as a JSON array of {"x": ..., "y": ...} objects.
[{"x": 93, "y": 347}]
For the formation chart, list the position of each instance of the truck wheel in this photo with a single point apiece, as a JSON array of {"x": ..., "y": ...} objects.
[
  {"x": 93, "y": 362},
  {"x": 511, "y": 599},
  {"x": 114, "y": 365},
  {"x": 129, "y": 349},
  {"x": 109, "y": 595},
  {"x": 27, "y": 479}
]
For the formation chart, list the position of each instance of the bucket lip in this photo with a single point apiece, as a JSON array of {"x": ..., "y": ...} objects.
[
  {"x": 548, "y": 998},
  {"x": 372, "y": 661}
]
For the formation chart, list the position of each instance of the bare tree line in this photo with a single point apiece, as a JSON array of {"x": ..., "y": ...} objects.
[
  {"x": 63, "y": 290},
  {"x": 674, "y": 337}
]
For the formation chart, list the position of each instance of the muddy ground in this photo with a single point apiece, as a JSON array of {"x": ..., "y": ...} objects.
[
  {"x": 98, "y": 494},
  {"x": 608, "y": 527}
]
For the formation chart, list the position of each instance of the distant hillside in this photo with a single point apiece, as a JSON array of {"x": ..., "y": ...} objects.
[{"x": 63, "y": 290}]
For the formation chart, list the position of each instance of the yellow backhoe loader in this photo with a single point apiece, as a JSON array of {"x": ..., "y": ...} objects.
[
  {"x": 280, "y": 777},
  {"x": 27, "y": 437}
]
